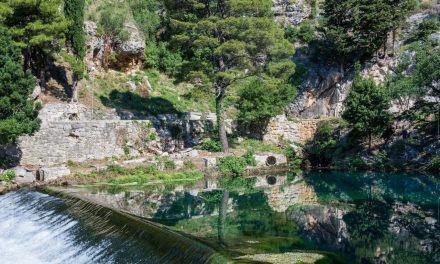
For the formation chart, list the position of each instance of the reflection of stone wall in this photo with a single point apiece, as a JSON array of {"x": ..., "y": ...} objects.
[{"x": 298, "y": 130}]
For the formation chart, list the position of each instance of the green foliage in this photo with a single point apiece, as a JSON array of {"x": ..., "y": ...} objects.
[
  {"x": 355, "y": 29},
  {"x": 159, "y": 56},
  {"x": 212, "y": 145},
  {"x": 141, "y": 177},
  {"x": 169, "y": 164},
  {"x": 223, "y": 43},
  {"x": 258, "y": 145},
  {"x": 189, "y": 165},
  {"x": 238, "y": 184},
  {"x": 74, "y": 12},
  {"x": 7, "y": 176},
  {"x": 232, "y": 166},
  {"x": 146, "y": 15},
  {"x": 112, "y": 21},
  {"x": 366, "y": 108},
  {"x": 35, "y": 23},
  {"x": 249, "y": 156},
  {"x": 261, "y": 100},
  {"x": 321, "y": 149},
  {"x": 418, "y": 80},
  {"x": 18, "y": 115},
  {"x": 292, "y": 159},
  {"x": 304, "y": 33},
  {"x": 427, "y": 27}
]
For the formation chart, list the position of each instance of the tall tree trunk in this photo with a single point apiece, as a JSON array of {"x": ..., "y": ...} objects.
[
  {"x": 222, "y": 216},
  {"x": 221, "y": 123}
]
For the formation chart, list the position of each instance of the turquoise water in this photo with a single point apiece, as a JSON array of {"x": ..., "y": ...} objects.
[{"x": 342, "y": 217}]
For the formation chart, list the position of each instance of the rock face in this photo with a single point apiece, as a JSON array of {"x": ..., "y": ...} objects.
[
  {"x": 128, "y": 53},
  {"x": 291, "y": 12}
]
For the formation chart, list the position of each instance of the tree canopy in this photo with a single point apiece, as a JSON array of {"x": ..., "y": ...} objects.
[
  {"x": 366, "y": 109},
  {"x": 18, "y": 115},
  {"x": 227, "y": 41}
]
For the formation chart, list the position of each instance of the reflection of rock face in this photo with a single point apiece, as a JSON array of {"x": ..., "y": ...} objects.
[
  {"x": 281, "y": 197},
  {"x": 323, "y": 225}
]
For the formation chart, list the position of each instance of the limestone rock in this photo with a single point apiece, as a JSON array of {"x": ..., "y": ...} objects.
[
  {"x": 48, "y": 174},
  {"x": 291, "y": 12}
]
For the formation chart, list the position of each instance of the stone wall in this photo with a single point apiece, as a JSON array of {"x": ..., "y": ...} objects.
[
  {"x": 58, "y": 142},
  {"x": 77, "y": 133},
  {"x": 295, "y": 130}
]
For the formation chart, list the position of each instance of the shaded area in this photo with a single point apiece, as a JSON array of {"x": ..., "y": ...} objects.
[{"x": 132, "y": 102}]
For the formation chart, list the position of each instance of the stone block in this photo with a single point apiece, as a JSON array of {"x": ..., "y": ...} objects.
[{"x": 47, "y": 174}]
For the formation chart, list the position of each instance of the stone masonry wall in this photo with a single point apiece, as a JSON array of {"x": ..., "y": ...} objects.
[
  {"x": 58, "y": 142},
  {"x": 75, "y": 132},
  {"x": 299, "y": 130}
]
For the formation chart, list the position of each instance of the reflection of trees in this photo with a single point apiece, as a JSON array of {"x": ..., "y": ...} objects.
[
  {"x": 222, "y": 216},
  {"x": 353, "y": 186}
]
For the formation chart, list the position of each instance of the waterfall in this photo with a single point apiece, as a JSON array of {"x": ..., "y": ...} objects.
[{"x": 39, "y": 228}]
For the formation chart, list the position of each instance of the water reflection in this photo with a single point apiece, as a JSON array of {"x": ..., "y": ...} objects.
[{"x": 368, "y": 218}]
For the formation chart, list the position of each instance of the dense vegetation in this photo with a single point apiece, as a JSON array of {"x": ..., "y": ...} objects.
[{"x": 230, "y": 56}]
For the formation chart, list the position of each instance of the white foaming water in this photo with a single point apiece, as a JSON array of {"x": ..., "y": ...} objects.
[{"x": 30, "y": 235}]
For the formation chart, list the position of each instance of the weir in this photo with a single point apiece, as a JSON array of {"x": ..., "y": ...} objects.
[{"x": 65, "y": 229}]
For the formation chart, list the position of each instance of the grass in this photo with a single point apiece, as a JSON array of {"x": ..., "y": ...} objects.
[
  {"x": 155, "y": 93},
  {"x": 7, "y": 176},
  {"x": 116, "y": 174},
  {"x": 257, "y": 146}
]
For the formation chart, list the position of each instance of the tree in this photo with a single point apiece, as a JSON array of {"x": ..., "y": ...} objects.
[
  {"x": 366, "y": 109},
  {"x": 74, "y": 12},
  {"x": 259, "y": 100},
  {"x": 18, "y": 115},
  {"x": 38, "y": 28},
  {"x": 227, "y": 41},
  {"x": 355, "y": 29}
]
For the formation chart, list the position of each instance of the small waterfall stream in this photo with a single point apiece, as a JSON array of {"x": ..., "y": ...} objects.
[{"x": 39, "y": 228}]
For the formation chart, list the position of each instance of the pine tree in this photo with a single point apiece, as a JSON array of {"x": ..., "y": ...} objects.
[
  {"x": 366, "y": 109},
  {"x": 227, "y": 41},
  {"x": 38, "y": 27},
  {"x": 74, "y": 12},
  {"x": 18, "y": 115}
]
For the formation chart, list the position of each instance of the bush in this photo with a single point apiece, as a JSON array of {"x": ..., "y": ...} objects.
[
  {"x": 249, "y": 156},
  {"x": 7, "y": 176},
  {"x": 169, "y": 164},
  {"x": 212, "y": 145},
  {"x": 188, "y": 164},
  {"x": 158, "y": 56},
  {"x": 427, "y": 27},
  {"x": 305, "y": 33},
  {"x": 232, "y": 166}
]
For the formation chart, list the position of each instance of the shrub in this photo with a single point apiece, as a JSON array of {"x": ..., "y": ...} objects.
[
  {"x": 427, "y": 27},
  {"x": 169, "y": 164},
  {"x": 232, "y": 166},
  {"x": 249, "y": 156},
  {"x": 212, "y": 145},
  {"x": 116, "y": 169},
  {"x": 7, "y": 175},
  {"x": 188, "y": 164}
]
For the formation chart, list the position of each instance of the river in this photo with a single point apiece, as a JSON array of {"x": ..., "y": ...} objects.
[{"x": 318, "y": 217}]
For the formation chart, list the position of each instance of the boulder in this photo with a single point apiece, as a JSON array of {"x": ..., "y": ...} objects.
[
  {"x": 47, "y": 174},
  {"x": 23, "y": 176}
]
